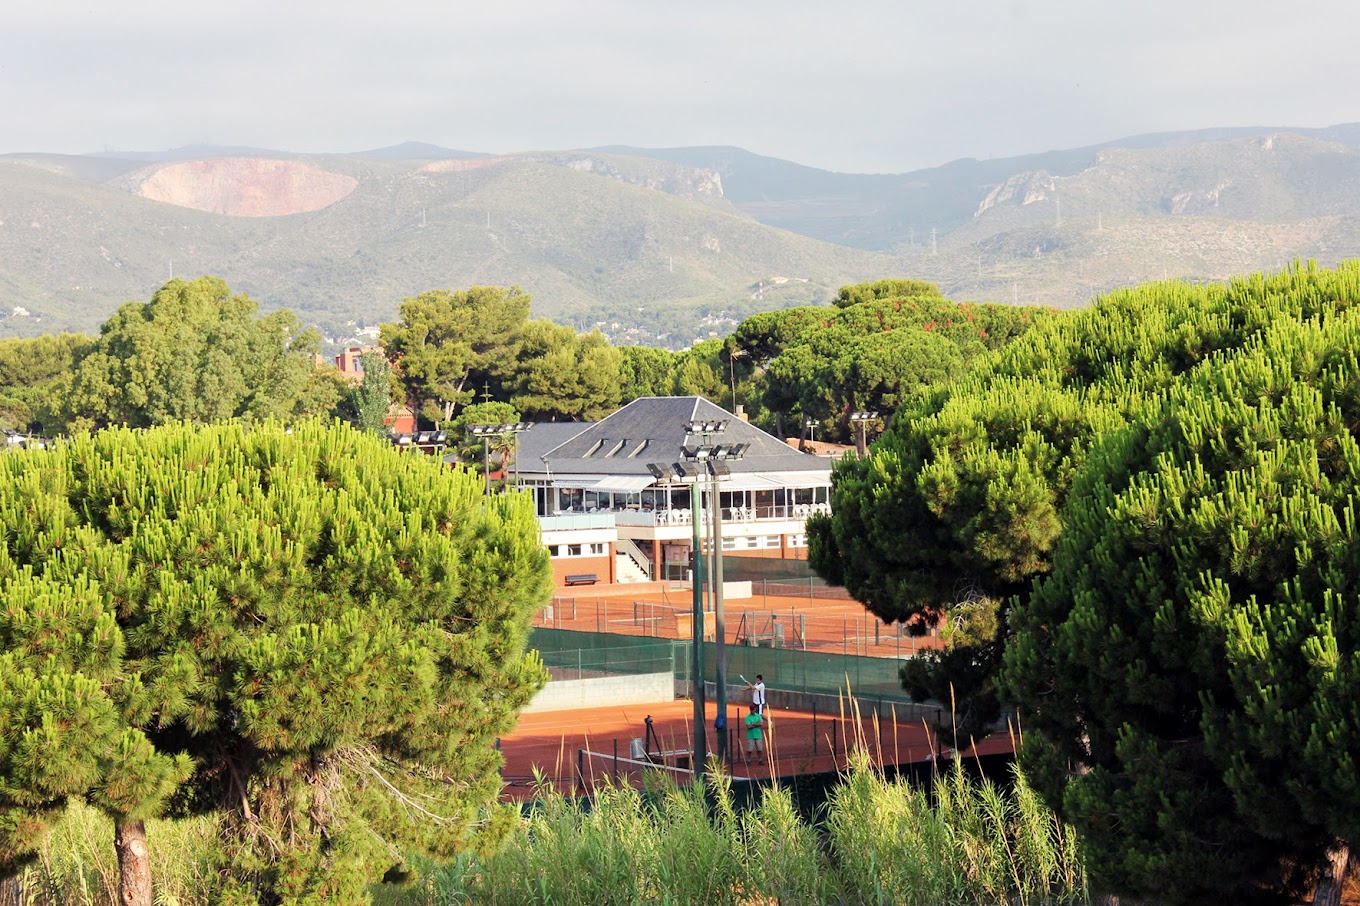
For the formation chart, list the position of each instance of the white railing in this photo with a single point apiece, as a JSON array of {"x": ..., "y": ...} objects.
[
  {"x": 729, "y": 514},
  {"x": 576, "y": 521}
]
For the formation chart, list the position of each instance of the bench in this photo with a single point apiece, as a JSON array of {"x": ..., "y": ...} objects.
[{"x": 582, "y": 579}]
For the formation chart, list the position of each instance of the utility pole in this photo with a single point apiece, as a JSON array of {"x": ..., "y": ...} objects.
[{"x": 933, "y": 248}]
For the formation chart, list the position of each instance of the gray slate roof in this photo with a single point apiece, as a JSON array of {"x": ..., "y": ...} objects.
[
  {"x": 534, "y": 444},
  {"x": 652, "y": 429}
]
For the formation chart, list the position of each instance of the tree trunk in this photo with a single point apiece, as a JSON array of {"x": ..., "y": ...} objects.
[
  {"x": 134, "y": 863},
  {"x": 1329, "y": 886}
]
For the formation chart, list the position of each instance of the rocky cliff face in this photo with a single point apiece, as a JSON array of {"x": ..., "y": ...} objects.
[
  {"x": 245, "y": 187},
  {"x": 1027, "y": 188},
  {"x": 673, "y": 179}
]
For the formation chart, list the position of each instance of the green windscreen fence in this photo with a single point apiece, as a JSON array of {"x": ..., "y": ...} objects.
[
  {"x": 573, "y": 655},
  {"x": 567, "y": 652}
]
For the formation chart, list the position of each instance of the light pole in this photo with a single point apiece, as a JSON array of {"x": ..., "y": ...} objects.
[
  {"x": 713, "y": 459},
  {"x": 861, "y": 421},
  {"x": 486, "y": 432},
  {"x": 698, "y": 753}
]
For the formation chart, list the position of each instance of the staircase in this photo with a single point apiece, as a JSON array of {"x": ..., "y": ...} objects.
[{"x": 630, "y": 565}]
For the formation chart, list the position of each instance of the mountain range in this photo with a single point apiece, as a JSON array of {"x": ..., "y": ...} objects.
[{"x": 658, "y": 246}]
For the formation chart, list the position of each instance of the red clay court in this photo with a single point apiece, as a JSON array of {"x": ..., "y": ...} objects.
[
  {"x": 819, "y": 619},
  {"x": 796, "y": 742}
]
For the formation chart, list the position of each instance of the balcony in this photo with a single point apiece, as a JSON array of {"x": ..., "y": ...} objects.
[
  {"x": 561, "y": 522},
  {"x": 730, "y": 515}
]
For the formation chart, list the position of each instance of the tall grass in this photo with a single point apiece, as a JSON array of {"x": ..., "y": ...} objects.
[
  {"x": 664, "y": 844},
  {"x": 878, "y": 841},
  {"x": 976, "y": 843},
  {"x": 77, "y": 866}
]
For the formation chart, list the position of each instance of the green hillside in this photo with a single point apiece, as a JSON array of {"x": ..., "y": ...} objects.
[
  {"x": 660, "y": 246},
  {"x": 591, "y": 237}
]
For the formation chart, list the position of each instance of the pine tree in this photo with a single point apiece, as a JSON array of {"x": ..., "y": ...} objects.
[
  {"x": 962, "y": 498},
  {"x": 309, "y": 634},
  {"x": 1189, "y": 674}
]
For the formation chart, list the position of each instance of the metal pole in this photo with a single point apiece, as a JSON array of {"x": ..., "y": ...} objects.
[
  {"x": 814, "y": 729},
  {"x": 486, "y": 462},
  {"x": 698, "y": 757},
  {"x": 719, "y": 626}
]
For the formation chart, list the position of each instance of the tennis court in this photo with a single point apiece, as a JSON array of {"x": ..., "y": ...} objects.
[
  {"x": 575, "y": 750},
  {"x": 808, "y": 619}
]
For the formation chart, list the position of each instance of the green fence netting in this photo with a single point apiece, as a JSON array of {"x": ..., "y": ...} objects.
[{"x": 600, "y": 653}]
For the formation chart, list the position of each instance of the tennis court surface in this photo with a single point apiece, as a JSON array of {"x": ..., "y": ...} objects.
[{"x": 574, "y": 750}]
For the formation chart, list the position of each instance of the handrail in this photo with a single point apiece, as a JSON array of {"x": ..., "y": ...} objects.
[{"x": 626, "y": 547}]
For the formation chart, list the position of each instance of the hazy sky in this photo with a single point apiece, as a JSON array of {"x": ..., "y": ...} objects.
[{"x": 855, "y": 85}]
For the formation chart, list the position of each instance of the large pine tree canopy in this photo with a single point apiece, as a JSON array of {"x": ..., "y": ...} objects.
[
  {"x": 1190, "y": 671},
  {"x": 305, "y": 630},
  {"x": 1174, "y": 467}
]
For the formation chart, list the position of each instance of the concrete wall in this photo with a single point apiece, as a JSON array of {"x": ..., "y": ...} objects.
[{"x": 596, "y": 692}]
